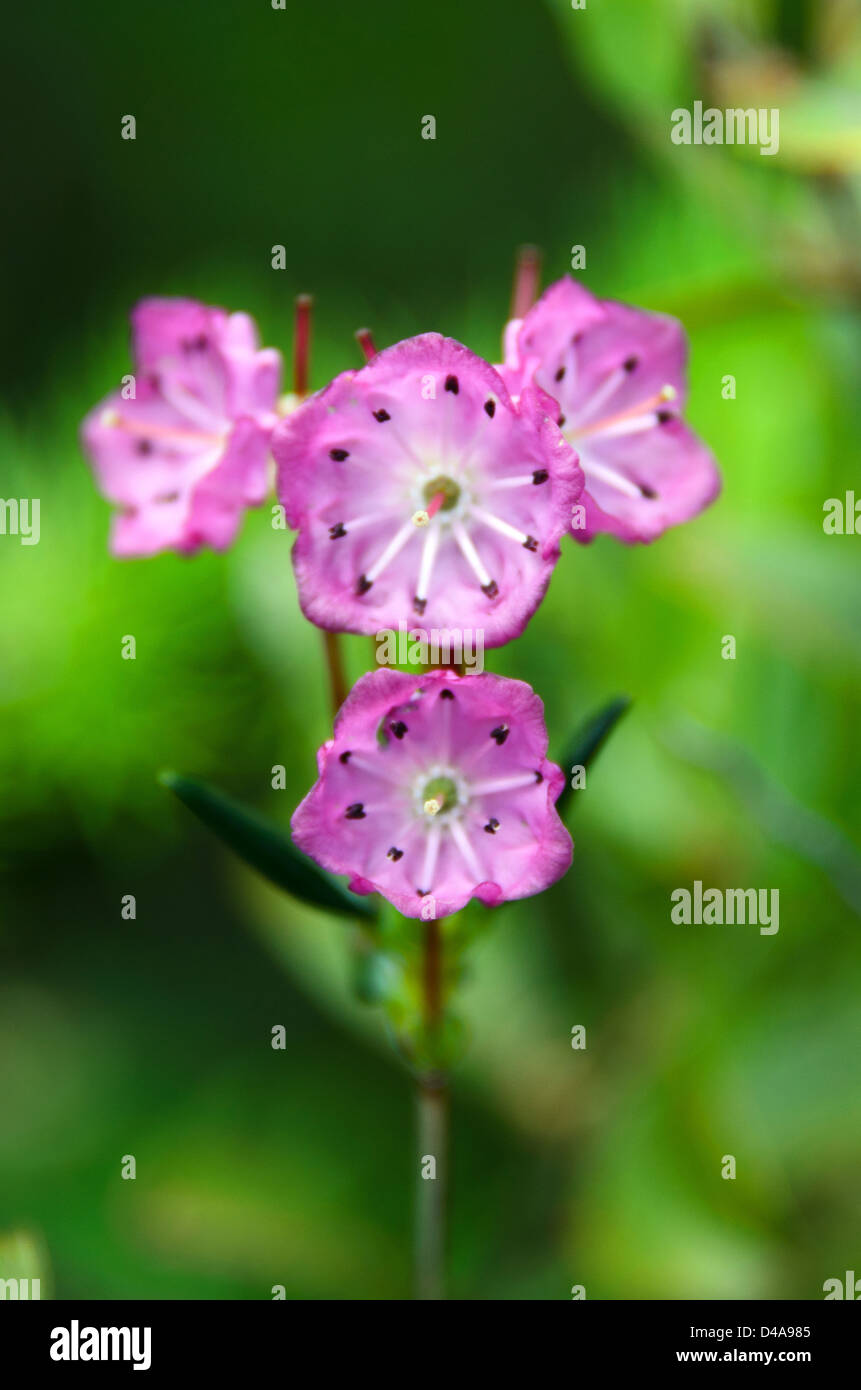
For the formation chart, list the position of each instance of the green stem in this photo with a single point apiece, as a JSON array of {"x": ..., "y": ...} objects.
[
  {"x": 430, "y": 1211},
  {"x": 335, "y": 668}
]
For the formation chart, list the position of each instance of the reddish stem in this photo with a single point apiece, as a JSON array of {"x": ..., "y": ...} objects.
[
  {"x": 302, "y": 344},
  {"x": 335, "y": 664},
  {"x": 527, "y": 278},
  {"x": 432, "y": 1097},
  {"x": 365, "y": 339}
]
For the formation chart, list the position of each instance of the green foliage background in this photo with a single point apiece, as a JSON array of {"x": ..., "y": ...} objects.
[{"x": 302, "y": 127}]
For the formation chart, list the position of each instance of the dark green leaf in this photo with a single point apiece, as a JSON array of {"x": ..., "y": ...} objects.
[
  {"x": 587, "y": 742},
  {"x": 266, "y": 848}
]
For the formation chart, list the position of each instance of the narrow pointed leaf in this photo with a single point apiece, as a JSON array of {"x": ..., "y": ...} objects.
[
  {"x": 266, "y": 848},
  {"x": 587, "y": 742}
]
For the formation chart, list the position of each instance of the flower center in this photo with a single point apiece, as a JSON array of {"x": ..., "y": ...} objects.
[
  {"x": 447, "y": 487},
  {"x": 439, "y": 794}
]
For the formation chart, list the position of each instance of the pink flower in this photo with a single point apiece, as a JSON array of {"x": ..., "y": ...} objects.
[
  {"x": 618, "y": 375},
  {"x": 435, "y": 790},
  {"x": 187, "y": 455},
  {"x": 417, "y": 487}
]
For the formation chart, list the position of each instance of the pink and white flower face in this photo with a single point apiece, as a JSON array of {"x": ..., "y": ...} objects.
[
  {"x": 618, "y": 375},
  {"x": 420, "y": 491},
  {"x": 189, "y": 452},
  {"x": 435, "y": 790}
]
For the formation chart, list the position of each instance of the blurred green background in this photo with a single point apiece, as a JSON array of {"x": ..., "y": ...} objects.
[{"x": 255, "y": 1167}]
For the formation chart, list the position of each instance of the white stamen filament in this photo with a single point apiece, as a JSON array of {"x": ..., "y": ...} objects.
[
  {"x": 373, "y": 768},
  {"x": 603, "y": 393},
  {"x": 470, "y": 554},
  {"x": 503, "y": 784},
  {"x": 429, "y": 552},
  {"x": 394, "y": 547},
  {"x": 459, "y": 835},
  {"x": 395, "y": 435},
  {"x": 369, "y": 519},
  {"x": 497, "y": 524},
  {"x": 604, "y": 474},
  {"x": 666, "y": 393},
  {"x": 622, "y": 427},
  {"x": 430, "y": 858},
  {"x": 520, "y": 481}
]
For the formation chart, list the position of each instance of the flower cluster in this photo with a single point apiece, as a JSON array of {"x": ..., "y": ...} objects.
[{"x": 426, "y": 485}]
